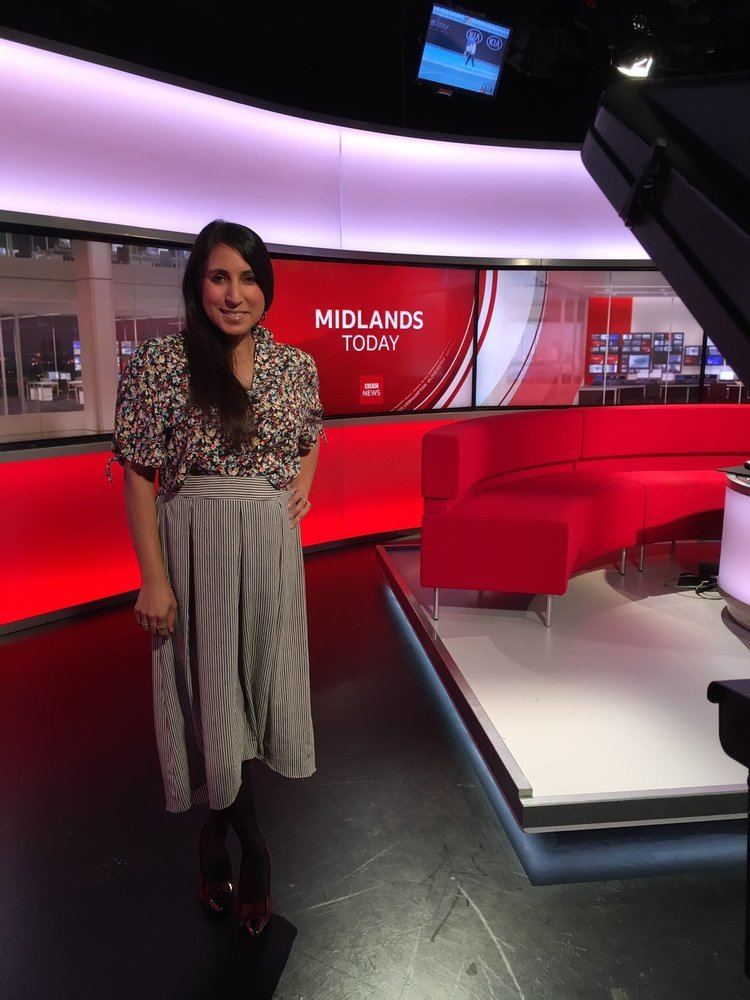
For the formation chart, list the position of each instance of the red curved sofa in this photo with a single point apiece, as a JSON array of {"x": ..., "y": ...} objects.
[{"x": 518, "y": 501}]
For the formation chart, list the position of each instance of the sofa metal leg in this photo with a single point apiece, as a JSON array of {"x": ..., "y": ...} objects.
[
  {"x": 623, "y": 561},
  {"x": 436, "y": 604},
  {"x": 548, "y": 612},
  {"x": 642, "y": 559}
]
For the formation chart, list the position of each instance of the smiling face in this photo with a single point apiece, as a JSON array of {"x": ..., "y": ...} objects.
[{"x": 232, "y": 298}]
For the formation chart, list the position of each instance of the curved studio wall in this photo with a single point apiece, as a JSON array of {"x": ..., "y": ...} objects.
[
  {"x": 85, "y": 141},
  {"x": 98, "y": 147}
]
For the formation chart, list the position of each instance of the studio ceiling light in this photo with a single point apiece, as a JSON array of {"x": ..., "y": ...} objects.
[{"x": 639, "y": 67}]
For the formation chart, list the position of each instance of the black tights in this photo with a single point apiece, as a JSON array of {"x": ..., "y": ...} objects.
[{"x": 240, "y": 815}]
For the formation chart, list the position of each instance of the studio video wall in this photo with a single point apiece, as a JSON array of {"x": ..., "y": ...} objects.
[
  {"x": 387, "y": 338},
  {"x": 398, "y": 338}
]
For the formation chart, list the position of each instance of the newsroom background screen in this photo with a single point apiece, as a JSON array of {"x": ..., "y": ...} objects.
[{"x": 386, "y": 338}]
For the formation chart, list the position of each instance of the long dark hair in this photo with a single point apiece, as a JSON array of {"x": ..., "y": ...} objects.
[{"x": 208, "y": 350}]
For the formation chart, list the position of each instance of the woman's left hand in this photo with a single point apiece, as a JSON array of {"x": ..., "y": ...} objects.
[{"x": 299, "y": 506}]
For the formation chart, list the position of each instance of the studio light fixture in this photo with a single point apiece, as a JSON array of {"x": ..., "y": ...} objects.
[{"x": 638, "y": 67}]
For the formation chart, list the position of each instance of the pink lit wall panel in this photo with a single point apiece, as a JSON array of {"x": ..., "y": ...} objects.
[
  {"x": 88, "y": 142},
  {"x": 409, "y": 195},
  {"x": 84, "y": 141}
]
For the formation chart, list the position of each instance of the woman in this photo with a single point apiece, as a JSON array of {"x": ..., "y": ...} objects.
[{"x": 231, "y": 420}]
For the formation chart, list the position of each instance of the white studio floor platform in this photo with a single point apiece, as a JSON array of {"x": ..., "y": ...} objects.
[{"x": 601, "y": 720}]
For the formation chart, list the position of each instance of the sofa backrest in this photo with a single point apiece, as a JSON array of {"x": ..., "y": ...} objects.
[
  {"x": 668, "y": 430},
  {"x": 457, "y": 456}
]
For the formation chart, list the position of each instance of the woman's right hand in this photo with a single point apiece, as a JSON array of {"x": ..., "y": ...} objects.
[{"x": 156, "y": 606}]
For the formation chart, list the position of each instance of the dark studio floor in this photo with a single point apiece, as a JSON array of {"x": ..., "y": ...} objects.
[{"x": 393, "y": 878}]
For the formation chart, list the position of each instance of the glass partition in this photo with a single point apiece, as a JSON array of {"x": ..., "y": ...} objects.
[
  {"x": 40, "y": 357},
  {"x": 147, "y": 294},
  {"x": 593, "y": 338}
]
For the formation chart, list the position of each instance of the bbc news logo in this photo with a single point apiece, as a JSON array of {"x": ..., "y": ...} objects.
[{"x": 370, "y": 390}]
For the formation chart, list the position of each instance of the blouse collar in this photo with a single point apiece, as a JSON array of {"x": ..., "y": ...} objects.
[{"x": 262, "y": 334}]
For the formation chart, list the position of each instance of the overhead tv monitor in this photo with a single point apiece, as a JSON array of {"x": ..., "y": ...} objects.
[{"x": 462, "y": 51}]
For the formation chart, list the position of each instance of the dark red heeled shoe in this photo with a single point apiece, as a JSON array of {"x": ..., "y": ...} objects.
[
  {"x": 216, "y": 893},
  {"x": 254, "y": 916},
  {"x": 217, "y": 896}
]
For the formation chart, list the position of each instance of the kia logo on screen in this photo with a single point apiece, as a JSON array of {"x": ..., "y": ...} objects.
[
  {"x": 473, "y": 35},
  {"x": 493, "y": 42}
]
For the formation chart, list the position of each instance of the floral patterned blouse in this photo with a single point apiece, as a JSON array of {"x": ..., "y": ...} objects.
[{"x": 155, "y": 428}]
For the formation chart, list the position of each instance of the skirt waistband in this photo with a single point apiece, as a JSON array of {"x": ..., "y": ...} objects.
[{"x": 228, "y": 487}]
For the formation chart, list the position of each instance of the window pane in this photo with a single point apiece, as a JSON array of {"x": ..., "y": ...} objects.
[
  {"x": 660, "y": 354},
  {"x": 148, "y": 294},
  {"x": 721, "y": 384},
  {"x": 51, "y": 368},
  {"x": 40, "y": 366},
  {"x": 8, "y": 375}
]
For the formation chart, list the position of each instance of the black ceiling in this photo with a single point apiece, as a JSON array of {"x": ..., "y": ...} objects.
[{"x": 326, "y": 59}]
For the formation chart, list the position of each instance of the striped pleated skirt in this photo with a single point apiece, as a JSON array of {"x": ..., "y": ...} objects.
[{"x": 232, "y": 681}]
